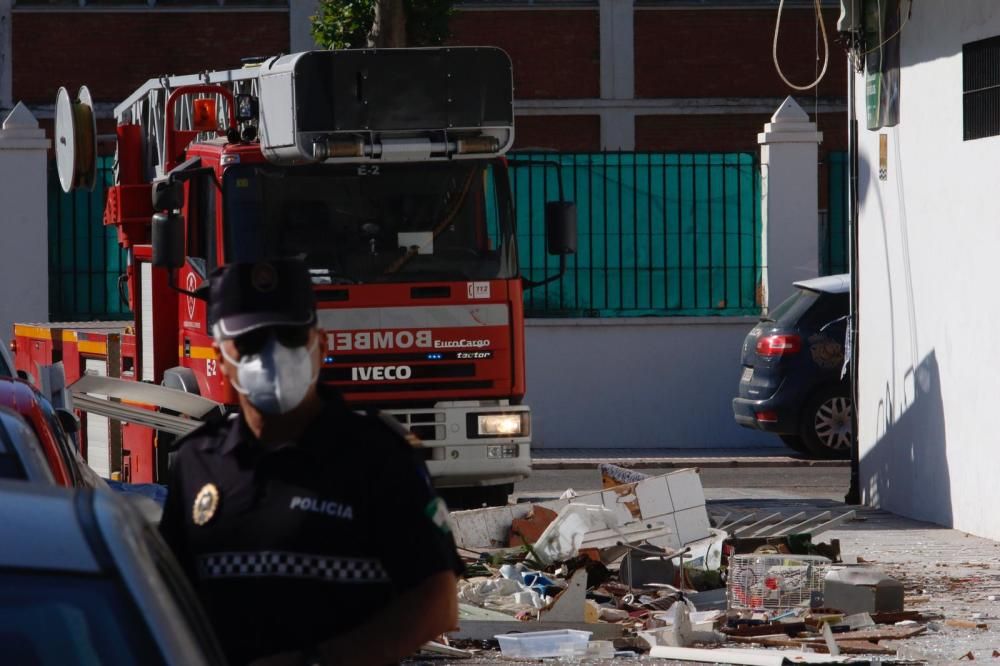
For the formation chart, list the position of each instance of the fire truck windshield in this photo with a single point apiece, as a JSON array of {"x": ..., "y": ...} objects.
[{"x": 374, "y": 223}]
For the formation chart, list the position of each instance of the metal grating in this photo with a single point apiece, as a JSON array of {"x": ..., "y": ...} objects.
[
  {"x": 85, "y": 261},
  {"x": 658, "y": 233},
  {"x": 981, "y": 88}
]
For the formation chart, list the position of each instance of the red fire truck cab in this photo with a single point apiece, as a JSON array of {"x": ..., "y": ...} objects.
[{"x": 384, "y": 171}]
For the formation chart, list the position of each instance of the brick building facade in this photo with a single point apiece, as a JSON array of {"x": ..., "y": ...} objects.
[{"x": 590, "y": 75}]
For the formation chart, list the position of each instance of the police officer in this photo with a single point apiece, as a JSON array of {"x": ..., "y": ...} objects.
[{"x": 311, "y": 533}]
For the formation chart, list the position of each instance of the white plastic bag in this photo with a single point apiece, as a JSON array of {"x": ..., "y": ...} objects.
[{"x": 562, "y": 539}]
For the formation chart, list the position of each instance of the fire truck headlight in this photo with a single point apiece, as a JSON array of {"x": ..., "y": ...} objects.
[{"x": 500, "y": 425}]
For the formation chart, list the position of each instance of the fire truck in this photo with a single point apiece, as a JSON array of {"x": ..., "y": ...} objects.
[{"x": 385, "y": 171}]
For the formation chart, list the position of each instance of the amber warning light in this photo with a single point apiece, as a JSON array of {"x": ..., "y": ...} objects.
[{"x": 203, "y": 118}]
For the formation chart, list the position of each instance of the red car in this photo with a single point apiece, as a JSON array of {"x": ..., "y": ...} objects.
[{"x": 64, "y": 460}]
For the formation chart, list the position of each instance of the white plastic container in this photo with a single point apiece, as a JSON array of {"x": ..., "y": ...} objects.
[{"x": 559, "y": 643}]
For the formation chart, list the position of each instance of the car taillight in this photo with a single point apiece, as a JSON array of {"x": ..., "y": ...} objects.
[{"x": 779, "y": 345}]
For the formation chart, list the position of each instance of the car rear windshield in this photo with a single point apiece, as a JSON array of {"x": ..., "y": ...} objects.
[
  {"x": 793, "y": 307},
  {"x": 51, "y": 618}
]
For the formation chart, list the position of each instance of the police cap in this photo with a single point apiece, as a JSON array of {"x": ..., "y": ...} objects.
[{"x": 243, "y": 297}]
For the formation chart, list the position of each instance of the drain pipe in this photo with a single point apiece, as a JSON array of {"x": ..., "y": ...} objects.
[{"x": 853, "y": 495}]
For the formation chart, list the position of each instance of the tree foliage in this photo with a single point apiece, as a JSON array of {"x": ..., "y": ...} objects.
[{"x": 342, "y": 24}]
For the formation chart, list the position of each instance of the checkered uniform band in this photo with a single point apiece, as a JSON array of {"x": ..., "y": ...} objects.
[{"x": 265, "y": 563}]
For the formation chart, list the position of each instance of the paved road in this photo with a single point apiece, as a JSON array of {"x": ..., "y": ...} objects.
[{"x": 719, "y": 483}]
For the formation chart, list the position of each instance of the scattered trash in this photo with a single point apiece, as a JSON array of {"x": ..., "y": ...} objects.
[
  {"x": 527, "y": 530},
  {"x": 859, "y": 621},
  {"x": 600, "y": 650},
  {"x": 748, "y": 657},
  {"x": 681, "y": 630},
  {"x": 637, "y": 568},
  {"x": 446, "y": 651},
  {"x": 774, "y": 582},
  {"x": 965, "y": 624},
  {"x": 862, "y": 589},
  {"x": 565, "y": 535},
  {"x": 537, "y": 644}
]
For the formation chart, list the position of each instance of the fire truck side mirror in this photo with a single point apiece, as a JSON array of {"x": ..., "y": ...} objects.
[
  {"x": 560, "y": 227},
  {"x": 168, "y": 240},
  {"x": 168, "y": 193}
]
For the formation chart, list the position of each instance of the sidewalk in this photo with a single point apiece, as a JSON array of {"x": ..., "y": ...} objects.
[
  {"x": 947, "y": 573},
  {"x": 778, "y": 456}
]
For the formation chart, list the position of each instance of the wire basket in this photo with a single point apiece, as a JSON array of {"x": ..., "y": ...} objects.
[{"x": 774, "y": 582}]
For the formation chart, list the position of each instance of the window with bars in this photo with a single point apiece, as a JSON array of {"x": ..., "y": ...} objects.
[{"x": 981, "y": 88}]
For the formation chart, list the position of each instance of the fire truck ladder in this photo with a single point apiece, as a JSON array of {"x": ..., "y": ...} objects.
[{"x": 147, "y": 107}]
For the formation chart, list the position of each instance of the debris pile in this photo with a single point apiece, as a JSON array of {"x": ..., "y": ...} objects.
[{"x": 638, "y": 567}]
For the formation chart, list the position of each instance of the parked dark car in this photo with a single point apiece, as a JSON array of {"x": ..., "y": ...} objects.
[
  {"x": 21, "y": 455},
  {"x": 6, "y": 362},
  {"x": 85, "y": 580},
  {"x": 792, "y": 381},
  {"x": 53, "y": 433}
]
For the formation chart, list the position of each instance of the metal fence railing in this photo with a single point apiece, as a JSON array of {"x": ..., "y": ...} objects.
[
  {"x": 659, "y": 233},
  {"x": 84, "y": 257},
  {"x": 834, "y": 238}
]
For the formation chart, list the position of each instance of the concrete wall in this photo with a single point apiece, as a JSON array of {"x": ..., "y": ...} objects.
[
  {"x": 24, "y": 275},
  {"x": 929, "y": 241},
  {"x": 637, "y": 383}
]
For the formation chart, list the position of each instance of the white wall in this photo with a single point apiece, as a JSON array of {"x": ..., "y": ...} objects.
[
  {"x": 637, "y": 383},
  {"x": 24, "y": 261},
  {"x": 929, "y": 243}
]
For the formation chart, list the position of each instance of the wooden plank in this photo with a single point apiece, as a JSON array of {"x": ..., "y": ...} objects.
[
  {"x": 773, "y": 629},
  {"x": 817, "y": 645},
  {"x": 882, "y": 633},
  {"x": 966, "y": 624},
  {"x": 893, "y": 618}
]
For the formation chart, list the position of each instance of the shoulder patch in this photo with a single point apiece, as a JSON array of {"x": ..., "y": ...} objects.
[{"x": 437, "y": 511}]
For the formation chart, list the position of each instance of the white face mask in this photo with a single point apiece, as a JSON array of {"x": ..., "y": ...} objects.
[{"x": 277, "y": 378}]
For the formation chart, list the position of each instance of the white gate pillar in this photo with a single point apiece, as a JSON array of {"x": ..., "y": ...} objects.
[
  {"x": 24, "y": 225},
  {"x": 789, "y": 156},
  {"x": 300, "y": 26}
]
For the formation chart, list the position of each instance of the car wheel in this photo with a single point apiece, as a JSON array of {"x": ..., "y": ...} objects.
[
  {"x": 794, "y": 442},
  {"x": 827, "y": 423}
]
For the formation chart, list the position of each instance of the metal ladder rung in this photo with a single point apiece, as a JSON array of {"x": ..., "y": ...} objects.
[
  {"x": 768, "y": 531},
  {"x": 753, "y": 527}
]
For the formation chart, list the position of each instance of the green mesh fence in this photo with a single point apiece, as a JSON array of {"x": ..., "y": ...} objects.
[
  {"x": 659, "y": 234},
  {"x": 84, "y": 258}
]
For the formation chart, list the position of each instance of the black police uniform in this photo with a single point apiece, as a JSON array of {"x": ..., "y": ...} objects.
[{"x": 290, "y": 545}]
